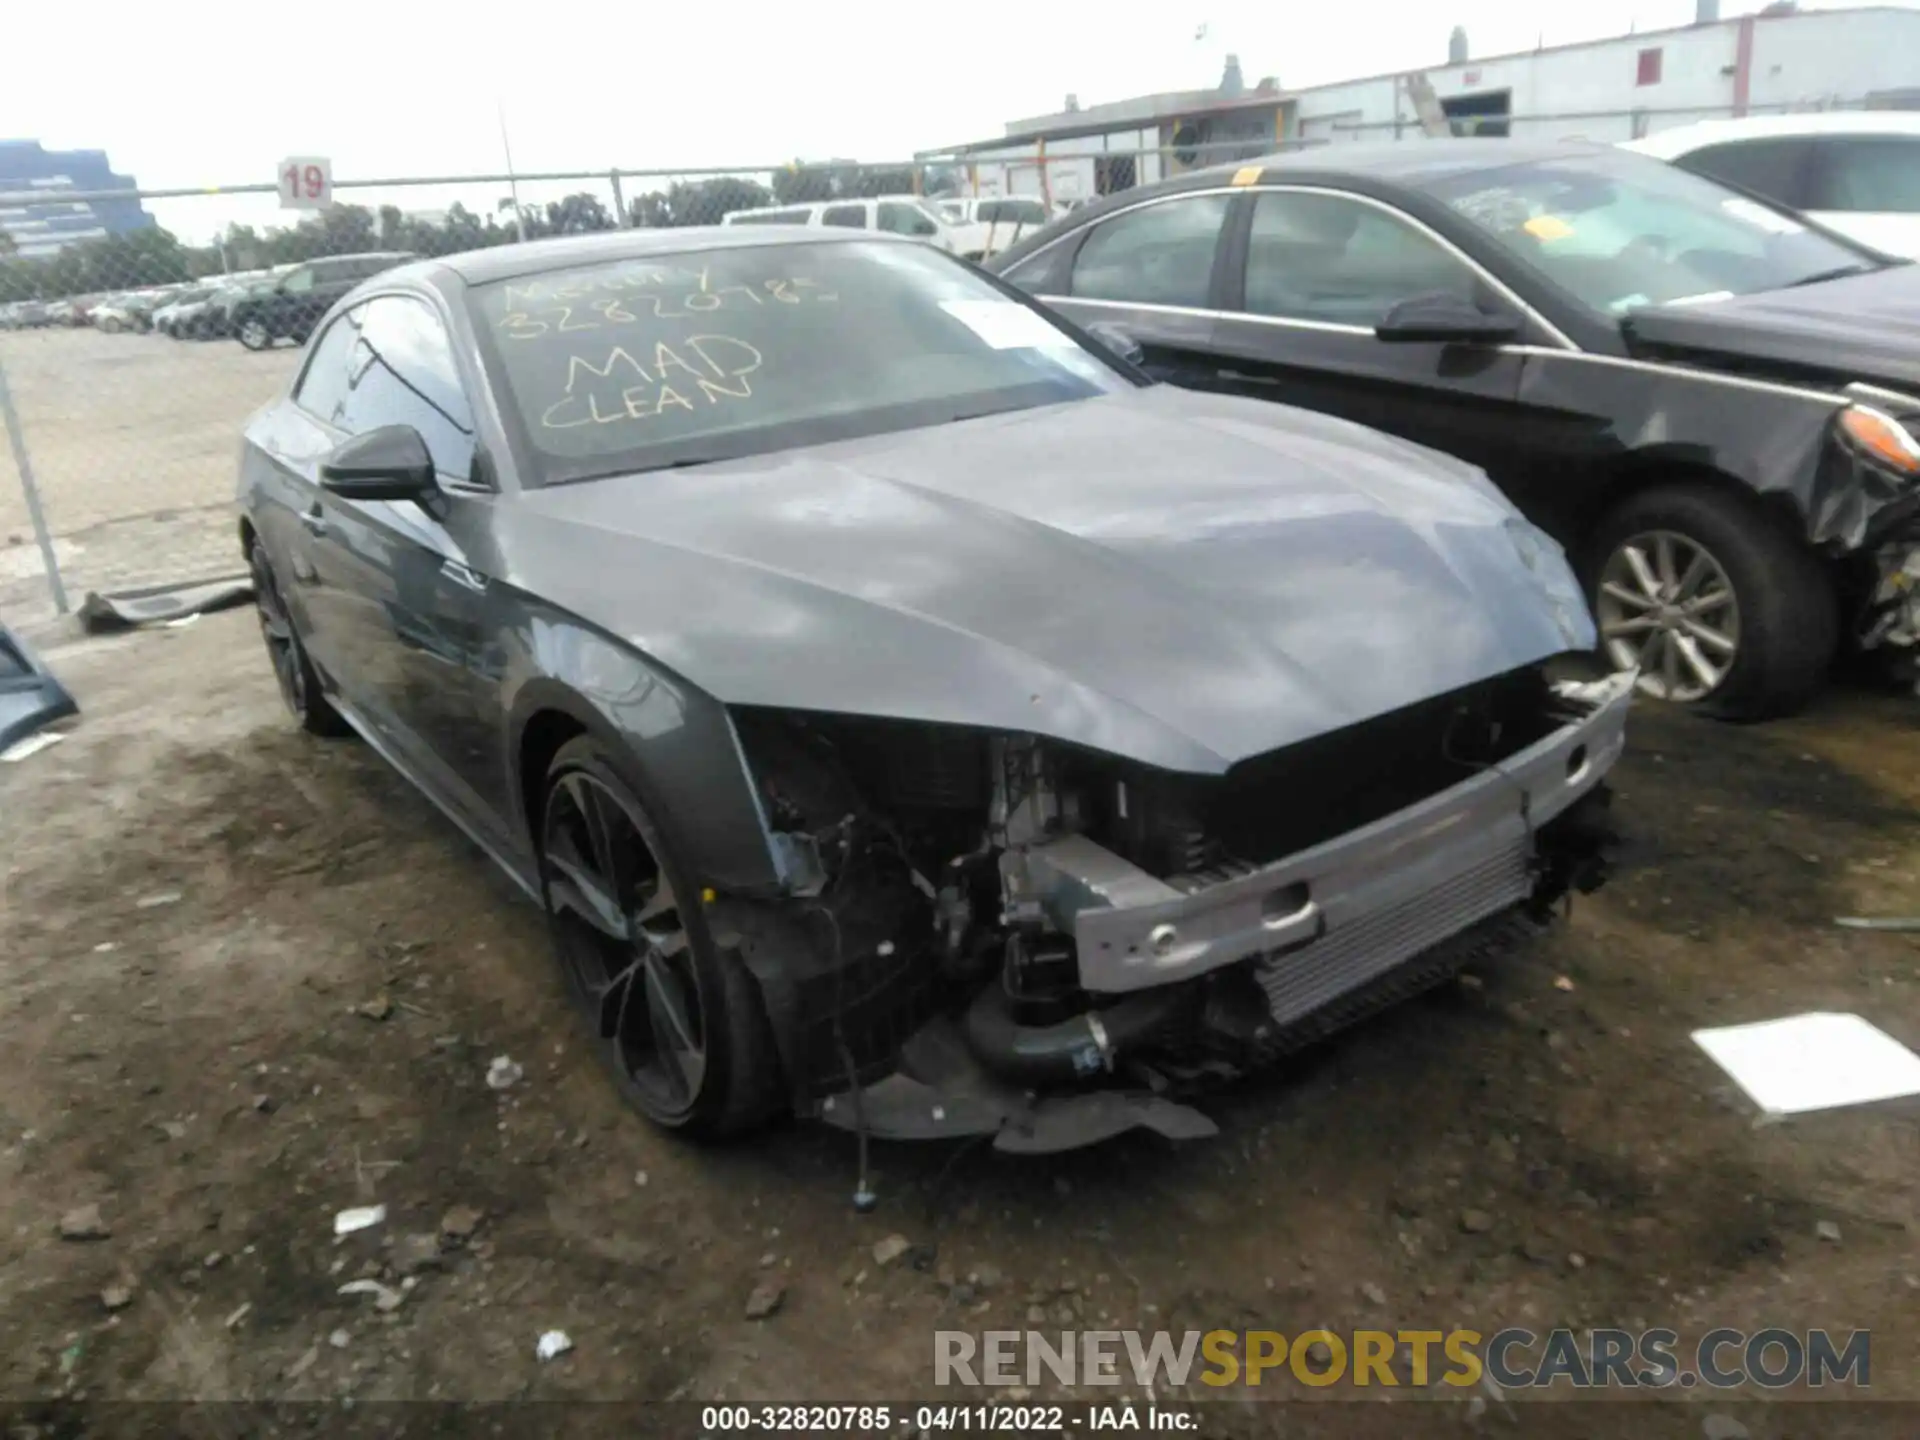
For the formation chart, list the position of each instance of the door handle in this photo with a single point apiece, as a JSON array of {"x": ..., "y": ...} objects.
[{"x": 315, "y": 520}]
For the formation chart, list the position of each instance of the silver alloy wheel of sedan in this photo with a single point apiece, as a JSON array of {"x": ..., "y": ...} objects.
[
  {"x": 1666, "y": 606},
  {"x": 254, "y": 335}
]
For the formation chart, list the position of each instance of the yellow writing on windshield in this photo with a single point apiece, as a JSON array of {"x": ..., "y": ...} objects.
[{"x": 622, "y": 388}]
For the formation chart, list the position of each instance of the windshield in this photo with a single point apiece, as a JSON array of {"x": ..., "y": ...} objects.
[
  {"x": 680, "y": 359},
  {"x": 1622, "y": 232}
]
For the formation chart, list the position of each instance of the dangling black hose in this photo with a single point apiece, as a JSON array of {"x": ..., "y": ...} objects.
[{"x": 1087, "y": 1045}]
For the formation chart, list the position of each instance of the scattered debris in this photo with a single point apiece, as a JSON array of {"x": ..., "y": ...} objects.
[
  {"x": 378, "y": 1008},
  {"x": 264, "y": 1104},
  {"x": 384, "y": 1296},
  {"x": 237, "y": 1316},
  {"x": 84, "y": 1223},
  {"x": 766, "y": 1298},
  {"x": 340, "y": 1339},
  {"x": 886, "y": 1251},
  {"x": 215, "y": 1259},
  {"x": 414, "y": 1253},
  {"x": 172, "y": 1129},
  {"x": 1817, "y": 1061},
  {"x": 460, "y": 1222},
  {"x": 1476, "y": 1222},
  {"x": 552, "y": 1345},
  {"x": 1562, "y": 982},
  {"x": 116, "y": 1297},
  {"x": 308, "y": 1359},
  {"x": 1723, "y": 1427},
  {"x": 1898, "y": 924},
  {"x": 1373, "y": 1294},
  {"x": 503, "y": 1073},
  {"x": 169, "y": 605},
  {"x": 156, "y": 900},
  {"x": 32, "y": 745},
  {"x": 361, "y": 1217},
  {"x": 640, "y": 1179},
  {"x": 987, "y": 1277},
  {"x": 1828, "y": 1231}
]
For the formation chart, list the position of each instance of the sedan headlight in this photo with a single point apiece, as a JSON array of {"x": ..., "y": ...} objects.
[{"x": 1882, "y": 437}]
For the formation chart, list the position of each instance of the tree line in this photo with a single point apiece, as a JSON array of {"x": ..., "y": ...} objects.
[{"x": 139, "y": 258}]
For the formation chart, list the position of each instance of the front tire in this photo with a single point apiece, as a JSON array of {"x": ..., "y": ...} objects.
[
  {"x": 254, "y": 334},
  {"x": 299, "y": 682},
  {"x": 674, "y": 1014},
  {"x": 1722, "y": 610}
]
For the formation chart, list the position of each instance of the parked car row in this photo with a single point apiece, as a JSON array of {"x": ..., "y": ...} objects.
[
  {"x": 970, "y": 228},
  {"x": 257, "y": 308}
]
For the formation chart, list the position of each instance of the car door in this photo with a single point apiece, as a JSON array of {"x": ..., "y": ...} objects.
[
  {"x": 409, "y": 583},
  {"x": 290, "y": 302},
  {"x": 1868, "y": 187},
  {"x": 1151, "y": 270},
  {"x": 1309, "y": 275},
  {"x": 289, "y": 443}
]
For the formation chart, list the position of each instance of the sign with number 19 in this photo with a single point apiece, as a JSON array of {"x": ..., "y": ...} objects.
[{"x": 306, "y": 183}]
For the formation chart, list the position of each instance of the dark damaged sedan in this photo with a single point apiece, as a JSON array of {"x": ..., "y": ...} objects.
[
  {"x": 1714, "y": 404},
  {"x": 906, "y": 712}
]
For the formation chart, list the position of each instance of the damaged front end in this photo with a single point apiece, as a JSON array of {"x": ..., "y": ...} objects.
[{"x": 1009, "y": 935}]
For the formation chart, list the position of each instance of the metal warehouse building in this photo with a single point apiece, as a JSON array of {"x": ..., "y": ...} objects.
[{"x": 1779, "y": 60}]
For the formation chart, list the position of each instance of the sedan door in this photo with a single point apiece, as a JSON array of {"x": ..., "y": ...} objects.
[
  {"x": 1312, "y": 272},
  {"x": 409, "y": 584},
  {"x": 1152, "y": 271}
]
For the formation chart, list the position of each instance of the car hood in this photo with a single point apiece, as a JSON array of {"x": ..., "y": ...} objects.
[
  {"x": 1183, "y": 579},
  {"x": 1863, "y": 327}
]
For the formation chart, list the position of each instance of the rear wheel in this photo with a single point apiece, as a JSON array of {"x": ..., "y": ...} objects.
[
  {"x": 674, "y": 1014},
  {"x": 1716, "y": 606},
  {"x": 254, "y": 333},
  {"x": 299, "y": 684}
]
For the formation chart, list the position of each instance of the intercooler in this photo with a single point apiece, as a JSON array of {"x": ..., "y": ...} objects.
[{"x": 1304, "y": 980}]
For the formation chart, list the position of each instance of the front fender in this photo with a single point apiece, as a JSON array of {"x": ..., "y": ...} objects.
[{"x": 680, "y": 742}]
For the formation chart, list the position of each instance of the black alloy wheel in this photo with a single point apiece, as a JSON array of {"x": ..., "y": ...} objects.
[
  {"x": 675, "y": 1016},
  {"x": 299, "y": 685}
]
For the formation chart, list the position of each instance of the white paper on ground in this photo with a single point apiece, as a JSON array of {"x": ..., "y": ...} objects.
[
  {"x": 1813, "y": 1062},
  {"x": 1005, "y": 325},
  {"x": 32, "y": 745}
]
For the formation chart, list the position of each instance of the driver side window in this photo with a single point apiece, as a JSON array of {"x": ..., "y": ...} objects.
[{"x": 1338, "y": 261}]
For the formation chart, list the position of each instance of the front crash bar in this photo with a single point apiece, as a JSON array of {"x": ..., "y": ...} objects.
[{"x": 1134, "y": 931}]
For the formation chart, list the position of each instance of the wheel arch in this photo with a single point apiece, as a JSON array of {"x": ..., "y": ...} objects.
[
  {"x": 691, "y": 776},
  {"x": 1659, "y": 466}
]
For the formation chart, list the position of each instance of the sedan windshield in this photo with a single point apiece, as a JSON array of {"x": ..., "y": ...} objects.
[
  {"x": 1622, "y": 232},
  {"x": 679, "y": 359}
]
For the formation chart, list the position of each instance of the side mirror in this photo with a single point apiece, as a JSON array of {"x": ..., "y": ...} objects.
[
  {"x": 390, "y": 463},
  {"x": 1446, "y": 320},
  {"x": 1117, "y": 338}
]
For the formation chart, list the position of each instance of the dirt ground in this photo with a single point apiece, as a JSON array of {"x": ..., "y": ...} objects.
[
  {"x": 132, "y": 440},
  {"x": 205, "y": 912}
]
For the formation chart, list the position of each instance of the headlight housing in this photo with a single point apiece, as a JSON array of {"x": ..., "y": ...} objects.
[{"x": 1882, "y": 437}]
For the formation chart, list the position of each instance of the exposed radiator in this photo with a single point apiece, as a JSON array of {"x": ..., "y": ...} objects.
[{"x": 1304, "y": 980}]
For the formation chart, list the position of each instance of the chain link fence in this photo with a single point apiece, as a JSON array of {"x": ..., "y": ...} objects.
[{"x": 130, "y": 364}]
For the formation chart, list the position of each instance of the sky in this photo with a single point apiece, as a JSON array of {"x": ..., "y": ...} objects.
[{"x": 216, "y": 92}]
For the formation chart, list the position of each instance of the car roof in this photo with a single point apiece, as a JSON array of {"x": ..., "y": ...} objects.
[
  {"x": 511, "y": 262},
  {"x": 1685, "y": 139},
  {"x": 1409, "y": 161}
]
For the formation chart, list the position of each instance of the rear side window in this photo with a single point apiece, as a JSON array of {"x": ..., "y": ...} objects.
[
  {"x": 848, "y": 217},
  {"x": 1157, "y": 255},
  {"x": 1012, "y": 212},
  {"x": 324, "y": 384},
  {"x": 900, "y": 219},
  {"x": 1773, "y": 168},
  {"x": 1867, "y": 173}
]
